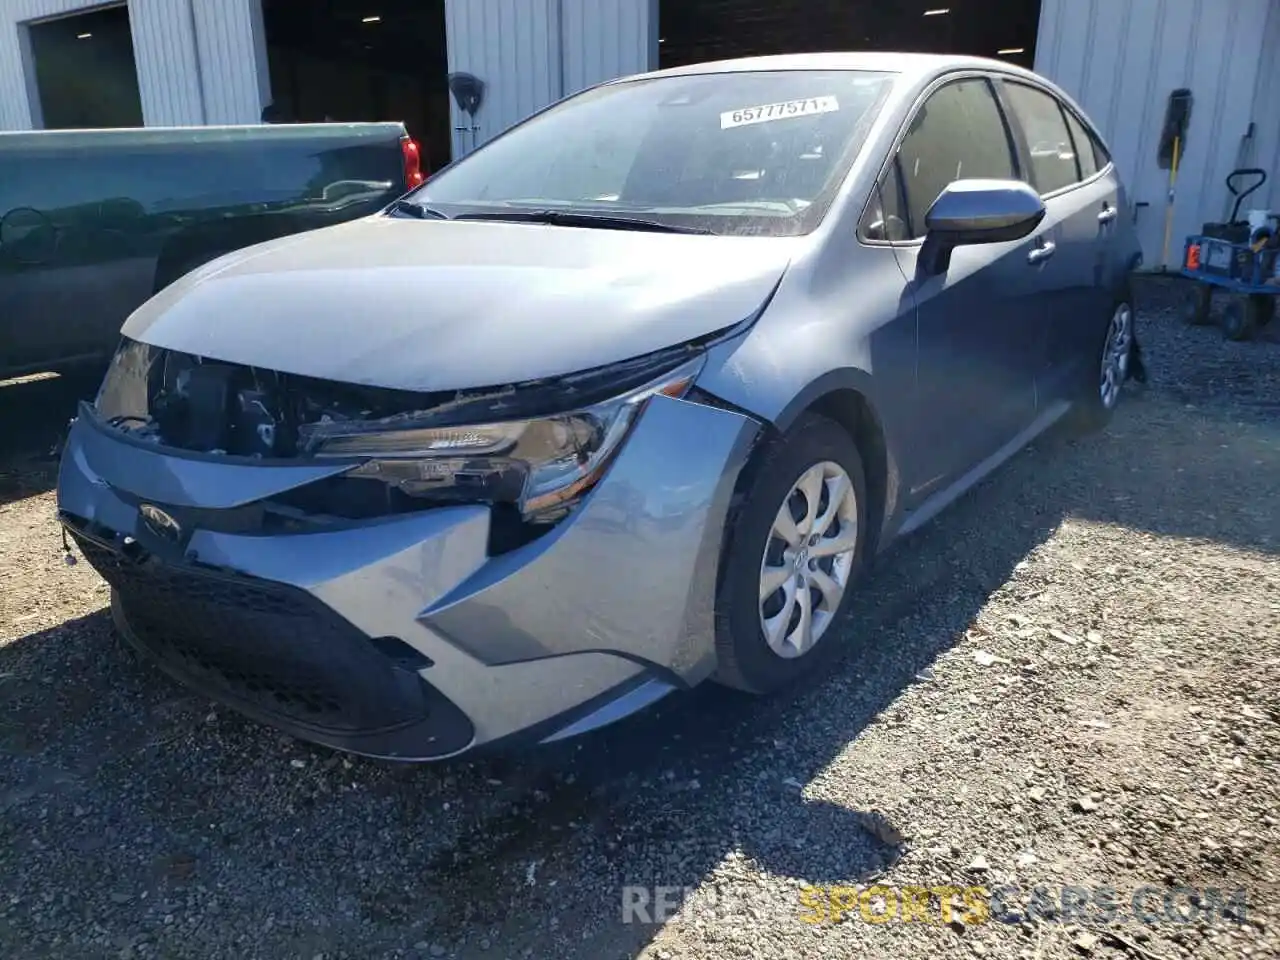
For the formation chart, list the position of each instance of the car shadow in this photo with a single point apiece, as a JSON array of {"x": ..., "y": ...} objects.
[
  {"x": 714, "y": 774},
  {"x": 34, "y": 413},
  {"x": 492, "y": 851},
  {"x": 709, "y": 774},
  {"x": 750, "y": 758}
]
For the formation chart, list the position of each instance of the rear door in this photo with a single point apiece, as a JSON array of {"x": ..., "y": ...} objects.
[
  {"x": 975, "y": 347},
  {"x": 1082, "y": 213}
]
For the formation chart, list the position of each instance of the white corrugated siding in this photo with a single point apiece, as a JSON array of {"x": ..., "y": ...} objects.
[
  {"x": 606, "y": 39},
  {"x": 1265, "y": 150},
  {"x": 1121, "y": 58},
  {"x": 514, "y": 47},
  {"x": 164, "y": 48},
  {"x": 530, "y": 53},
  {"x": 233, "y": 59},
  {"x": 224, "y": 83},
  {"x": 15, "y": 90}
]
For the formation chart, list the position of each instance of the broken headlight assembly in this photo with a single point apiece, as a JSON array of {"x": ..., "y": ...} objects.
[
  {"x": 541, "y": 464},
  {"x": 529, "y": 449}
]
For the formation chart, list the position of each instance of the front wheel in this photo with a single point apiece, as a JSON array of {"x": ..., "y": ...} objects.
[{"x": 791, "y": 556}]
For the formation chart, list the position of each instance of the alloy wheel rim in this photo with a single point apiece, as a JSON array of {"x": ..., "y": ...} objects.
[
  {"x": 1115, "y": 356},
  {"x": 808, "y": 559}
]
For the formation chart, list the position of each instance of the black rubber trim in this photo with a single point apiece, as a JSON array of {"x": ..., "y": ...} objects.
[
  {"x": 532, "y": 736},
  {"x": 438, "y": 730},
  {"x": 432, "y": 739}
]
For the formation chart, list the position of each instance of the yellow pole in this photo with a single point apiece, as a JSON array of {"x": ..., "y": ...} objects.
[{"x": 1168, "y": 216}]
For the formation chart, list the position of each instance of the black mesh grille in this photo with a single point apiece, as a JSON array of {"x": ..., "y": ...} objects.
[{"x": 274, "y": 646}]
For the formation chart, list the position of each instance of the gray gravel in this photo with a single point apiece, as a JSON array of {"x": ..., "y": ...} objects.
[{"x": 1069, "y": 679}]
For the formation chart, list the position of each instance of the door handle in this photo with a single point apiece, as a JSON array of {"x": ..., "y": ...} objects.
[
  {"x": 1043, "y": 252},
  {"x": 1107, "y": 215}
]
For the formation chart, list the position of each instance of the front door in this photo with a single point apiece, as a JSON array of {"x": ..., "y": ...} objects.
[{"x": 975, "y": 379}]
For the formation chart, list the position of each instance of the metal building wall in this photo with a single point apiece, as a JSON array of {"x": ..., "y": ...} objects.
[
  {"x": 234, "y": 76},
  {"x": 531, "y": 53},
  {"x": 198, "y": 61},
  {"x": 17, "y": 83},
  {"x": 1121, "y": 58},
  {"x": 1264, "y": 151},
  {"x": 607, "y": 39}
]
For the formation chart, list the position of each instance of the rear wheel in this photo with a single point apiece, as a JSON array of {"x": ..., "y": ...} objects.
[
  {"x": 791, "y": 557},
  {"x": 1104, "y": 379}
]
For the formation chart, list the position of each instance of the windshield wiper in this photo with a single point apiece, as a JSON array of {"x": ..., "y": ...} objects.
[
  {"x": 417, "y": 210},
  {"x": 566, "y": 218}
]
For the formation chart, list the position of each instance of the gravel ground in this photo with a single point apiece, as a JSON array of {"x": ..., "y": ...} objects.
[{"x": 1067, "y": 681}]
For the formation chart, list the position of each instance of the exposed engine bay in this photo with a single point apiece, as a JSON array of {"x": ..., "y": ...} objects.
[
  {"x": 529, "y": 450},
  {"x": 185, "y": 402}
]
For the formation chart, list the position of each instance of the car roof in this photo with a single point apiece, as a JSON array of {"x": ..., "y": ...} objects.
[{"x": 909, "y": 65}]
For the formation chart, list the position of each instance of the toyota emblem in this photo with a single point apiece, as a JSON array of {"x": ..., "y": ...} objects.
[{"x": 160, "y": 522}]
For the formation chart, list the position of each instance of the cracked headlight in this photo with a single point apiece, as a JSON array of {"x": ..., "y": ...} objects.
[{"x": 540, "y": 464}]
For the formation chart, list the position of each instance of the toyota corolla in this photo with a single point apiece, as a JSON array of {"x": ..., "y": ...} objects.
[{"x": 622, "y": 402}]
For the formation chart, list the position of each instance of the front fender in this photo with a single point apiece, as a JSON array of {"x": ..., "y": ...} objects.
[{"x": 742, "y": 374}]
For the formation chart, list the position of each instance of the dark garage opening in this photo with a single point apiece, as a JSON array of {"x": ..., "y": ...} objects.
[
  {"x": 692, "y": 31},
  {"x": 362, "y": 60},
  {"x": 85, "y": 72}
]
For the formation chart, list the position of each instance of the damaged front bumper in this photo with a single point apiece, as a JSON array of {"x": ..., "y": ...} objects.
[{"x": 408, "y": 636}]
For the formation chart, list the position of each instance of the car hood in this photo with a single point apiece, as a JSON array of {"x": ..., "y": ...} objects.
[{"x": 427, "y": 305}]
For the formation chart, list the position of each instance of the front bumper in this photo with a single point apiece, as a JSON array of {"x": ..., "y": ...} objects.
[{"x": 402, "y": 637}]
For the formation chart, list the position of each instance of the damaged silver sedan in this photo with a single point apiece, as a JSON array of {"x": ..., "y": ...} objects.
[{"x": 620, "y": 403}]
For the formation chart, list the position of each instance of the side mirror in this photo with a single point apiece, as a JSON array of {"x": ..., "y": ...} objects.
[{"x": 978, "y": 211}]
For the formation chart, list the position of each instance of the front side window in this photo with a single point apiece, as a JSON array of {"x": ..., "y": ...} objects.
[
  {"x": 958, "y": 134},
  {"x": 1053, "y": 156},
  {"x": 759, "y": 153}
]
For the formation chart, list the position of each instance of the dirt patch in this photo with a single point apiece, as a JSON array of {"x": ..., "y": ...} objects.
[{"x": 1067, "y": 684}]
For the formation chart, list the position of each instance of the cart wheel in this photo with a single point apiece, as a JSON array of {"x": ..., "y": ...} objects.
[
  {"x": 1265, "y": 307},
  {"x": 1239, "y": 319},
  {"x": 1196, "y": 310}
]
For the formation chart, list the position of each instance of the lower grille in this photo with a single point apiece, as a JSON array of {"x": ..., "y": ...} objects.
[{"x": 273, "y": 646}]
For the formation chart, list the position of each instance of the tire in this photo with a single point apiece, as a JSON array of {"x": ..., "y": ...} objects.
[
  {"x": 1097, "y": 395},
  {"x": 1196, "y": 310},
  {"x": 1240, "y": 319},
  {"x": 1264, "y": 307},
  {"x": 746, "y": 659}
]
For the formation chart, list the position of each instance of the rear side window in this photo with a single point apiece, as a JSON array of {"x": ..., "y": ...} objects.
[
  {"x": 1100, "y": 155},
  {"x": 1053, "y": 155},
  {"x": 958, "y": 134},
  {"x": 1084, "y": 145}
]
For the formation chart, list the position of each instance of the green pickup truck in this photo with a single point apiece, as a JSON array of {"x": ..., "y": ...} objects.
[{"x": 93, "y": 222}]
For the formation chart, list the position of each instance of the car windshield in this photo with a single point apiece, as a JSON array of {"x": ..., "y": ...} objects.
[{"x": 759, "y": 153}]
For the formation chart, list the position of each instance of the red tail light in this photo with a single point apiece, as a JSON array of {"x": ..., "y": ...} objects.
[{"x": 413, "y": 176}]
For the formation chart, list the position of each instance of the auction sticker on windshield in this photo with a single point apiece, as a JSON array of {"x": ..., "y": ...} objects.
[{"x": 778, "y": 111}]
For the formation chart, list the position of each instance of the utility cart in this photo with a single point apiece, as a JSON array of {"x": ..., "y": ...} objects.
[{"x": 1240, "y": 258}]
